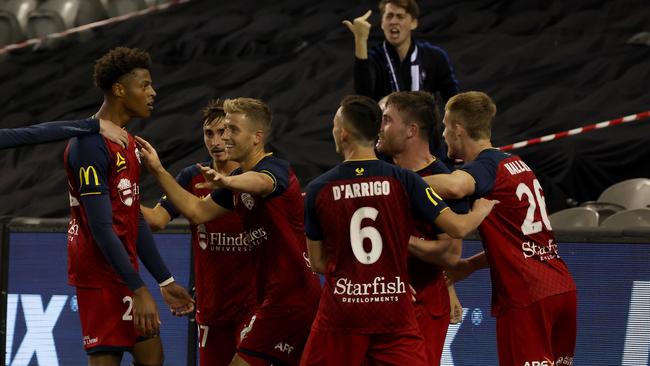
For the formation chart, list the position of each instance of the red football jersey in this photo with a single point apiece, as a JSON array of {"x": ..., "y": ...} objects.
[
  {"x": 362, "y": 213},
  {"x": 525, "y": 265},
  {"x": 94, "y": 166},
  {"x": 276, "y": 232},
  {"x": 426, "y": 278},
  {"x": 221, "y": 250}
]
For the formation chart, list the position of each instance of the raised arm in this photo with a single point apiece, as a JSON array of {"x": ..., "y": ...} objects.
[
  {"x": 157, "y": 217},
  {"x": 466, "y": 267},
  {"x": 255, "y": 183},
  {"x": 456, "y": 185},
  {"x": 457, "y": 226},
  {"x": 197, "y": 210},
  {"x": 444, "y": 252},
  {"x": 60, "y": 130}
]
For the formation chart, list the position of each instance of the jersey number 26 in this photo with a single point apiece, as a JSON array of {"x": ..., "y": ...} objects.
[{"x": 530, "y": 226}]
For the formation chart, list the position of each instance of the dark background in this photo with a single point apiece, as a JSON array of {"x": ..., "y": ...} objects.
[{"x": 549, "y": 66}]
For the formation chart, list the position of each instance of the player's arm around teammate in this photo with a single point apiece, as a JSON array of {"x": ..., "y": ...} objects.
[
  {"x": 197, "y": 210},
  {"x": 61, "y": 130}
]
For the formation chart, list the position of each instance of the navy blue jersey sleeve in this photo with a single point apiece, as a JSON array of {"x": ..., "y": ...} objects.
[
  {"x": 224, "y": 198},
  {"x": 484, "y": 171},
  {"x": 100, "y": 220},
  {"x": 148, "y": 253},
  {"x": 89, "y": 159},
  {"x": 425, "y": 202},
  {"x": 47, "y": 132},
  {"x": 312, "y": 222},
  {"x": 184, "y": 179},
  {"x": 278, "y": 171}
]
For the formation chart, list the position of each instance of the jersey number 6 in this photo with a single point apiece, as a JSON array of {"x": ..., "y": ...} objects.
[{"x": 358, "y": 234}]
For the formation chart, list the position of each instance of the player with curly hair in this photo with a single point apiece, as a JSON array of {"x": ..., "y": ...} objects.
[{"x": 107, "y": 233}]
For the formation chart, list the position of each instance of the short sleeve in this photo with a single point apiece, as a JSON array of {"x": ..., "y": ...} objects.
[
  {"x": 89, "y": 161},
  {"x": 278, "y": 171},
  {"x": 224, "y": 198},
  {"x": 312, "y": 223},
  {"x": 425, "y": 202},
  {"x": 484, "y": 171},
  {"x": 184, "y": 179}
]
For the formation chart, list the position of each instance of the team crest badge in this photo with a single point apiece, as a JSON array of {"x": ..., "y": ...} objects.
[
  {"x": 125, "y": 191},
  {"x": 359, "y": 171},
  {"x": 248, "y": 200},
  {"x": 203, "y": 236}
]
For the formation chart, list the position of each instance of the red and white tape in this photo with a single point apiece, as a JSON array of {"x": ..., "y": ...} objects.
[
  {"x": 577, "y": 131},
  {"x": 101, "y": 23}
]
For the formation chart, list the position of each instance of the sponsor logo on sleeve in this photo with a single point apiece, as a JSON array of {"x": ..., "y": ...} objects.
[
  {"x": 120, "y": 162},
  {"x": 88, "y": 178}
]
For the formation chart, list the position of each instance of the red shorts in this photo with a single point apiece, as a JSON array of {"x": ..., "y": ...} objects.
[
  {"x": 276, "y": 338},
  {"x": 434, "y": 331},
  {"x": 218, "y": 343},
  {"x": 107, "y": 318},
  {"x": 326, "y": 348},
  {"x": 543, "y": 333}
]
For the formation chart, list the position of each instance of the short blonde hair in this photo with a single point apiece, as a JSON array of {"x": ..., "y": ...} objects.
[
  {"x": 254, "y": 109},
  {"x": 475, "y": 111}
]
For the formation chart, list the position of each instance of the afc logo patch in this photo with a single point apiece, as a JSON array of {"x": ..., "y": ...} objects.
[{"x": 248, "y": 200}]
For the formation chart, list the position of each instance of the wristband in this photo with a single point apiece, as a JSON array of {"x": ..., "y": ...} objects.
[{"x": 166, "y": 282}]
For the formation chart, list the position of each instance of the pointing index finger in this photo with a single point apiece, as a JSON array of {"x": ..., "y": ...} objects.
[{"x": 366, "y": 15}]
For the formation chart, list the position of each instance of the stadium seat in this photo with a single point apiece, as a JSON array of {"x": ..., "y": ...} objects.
[
  {"x": 120, "y": 7},
  {"x": 10, "y": 32},
  {"x": 572, "y": 218},
  {"x": 604, "y": 209},
  {"x": 54, "y": 16},
  {"x": 13, "y": 20},
  {"x": 631, "y": 193},
  {"x": 639, "y": 217}
]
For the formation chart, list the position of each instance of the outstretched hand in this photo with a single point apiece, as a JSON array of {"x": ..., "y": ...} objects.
[
  {"x": 112, "y": 132},
  {"x": 360, "y": 26},
  {"x": 213, "y": 179},
  {"x": 179, "y": 300},
  {"x": 149, "y": 155}
]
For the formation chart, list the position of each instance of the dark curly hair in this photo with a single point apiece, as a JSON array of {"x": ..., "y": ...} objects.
[
  {"x": 214, "y": 110},
  {"x": 118, "y": 62}
]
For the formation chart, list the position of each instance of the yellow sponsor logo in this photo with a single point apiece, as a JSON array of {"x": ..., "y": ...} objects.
[
  {"x": 120, "y": 162},
  {"x": 85, "y": 174},
  {"x": 359, "y": 171},
  {"x": 433, "y": 196}
]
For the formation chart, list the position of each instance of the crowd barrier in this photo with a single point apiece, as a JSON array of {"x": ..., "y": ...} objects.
[{"x": 40, "y": 324}]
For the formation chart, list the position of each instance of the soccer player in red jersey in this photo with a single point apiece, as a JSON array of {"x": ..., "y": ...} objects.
[
  {"x": 357, "y": 221},
  {"x": 409, "y": 119},
  {"x": 107, "y": 234},
  {"x": 533, "y": 293},
  {"x": 266, "y": 194},
  {"x": 223, "y": 302}
]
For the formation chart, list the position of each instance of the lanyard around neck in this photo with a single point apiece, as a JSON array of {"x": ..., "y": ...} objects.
[{"x": 415, "y": 69}]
